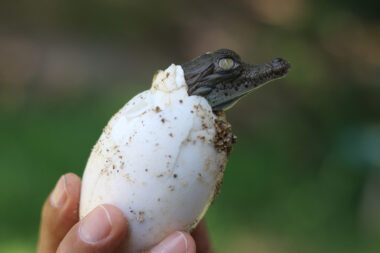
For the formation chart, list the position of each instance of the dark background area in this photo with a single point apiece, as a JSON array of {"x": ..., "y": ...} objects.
[{"x": 305, "y": 173}]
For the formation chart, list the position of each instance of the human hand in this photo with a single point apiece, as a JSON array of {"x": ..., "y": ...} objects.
[{"x": 103, "y": 230}]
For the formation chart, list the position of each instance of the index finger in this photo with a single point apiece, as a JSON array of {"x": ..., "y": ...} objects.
[{"x": 59, "y": 213}]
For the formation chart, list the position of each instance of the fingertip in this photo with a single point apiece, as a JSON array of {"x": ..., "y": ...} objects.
[
  {"x": 104, "y": 225},
  {"x": 66, "y": 192},
  {"x": 96, "y": 226},
  {"x": 73, "y": 183},
  {"x": 73, "y": 189},
  {"x": 190, "y": 243},
  {"x": 104, "y": 229},
  {"x": 177, "y": 242},
  {"x": 117, "y": 219},
  {"x": 59, "y": 195}
]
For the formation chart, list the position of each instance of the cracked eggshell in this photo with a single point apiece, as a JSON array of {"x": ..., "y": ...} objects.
[{"x": 156, "y": 161}]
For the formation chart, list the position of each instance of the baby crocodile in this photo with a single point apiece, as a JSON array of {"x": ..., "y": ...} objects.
[{"x": 222, "y": 78}]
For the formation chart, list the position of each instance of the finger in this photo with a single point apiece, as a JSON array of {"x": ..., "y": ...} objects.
[
  {"x": 177, "y": 242},
  {"x": 202, "y": 238},
  {"x": 102, "y": 230},
  {"x": 59, "y": 213}
]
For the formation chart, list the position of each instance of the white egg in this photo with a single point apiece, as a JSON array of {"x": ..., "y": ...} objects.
[{"x": 160, "y": 159}]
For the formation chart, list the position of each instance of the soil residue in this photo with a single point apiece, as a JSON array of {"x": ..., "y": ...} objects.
[{"x": 224, "y": 138}]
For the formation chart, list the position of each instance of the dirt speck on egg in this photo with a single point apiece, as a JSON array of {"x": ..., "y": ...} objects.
[
  {"x": 140, "y": 218},
  {"x": 157, "y": 109}
]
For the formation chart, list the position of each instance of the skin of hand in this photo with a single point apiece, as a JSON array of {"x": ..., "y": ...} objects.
[{"x": 103, "y": 230}]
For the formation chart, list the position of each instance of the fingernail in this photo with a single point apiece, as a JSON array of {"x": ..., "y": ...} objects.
[
  {"x": 58, "y": 197},
  {"x": 95, "y": 226},
  {"x": 175, "y": 243}
]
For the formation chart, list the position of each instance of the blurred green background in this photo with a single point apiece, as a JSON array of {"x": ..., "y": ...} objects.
[{"x": 305, "y": 173}]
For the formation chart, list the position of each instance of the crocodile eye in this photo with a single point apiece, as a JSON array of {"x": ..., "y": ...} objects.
[{"x": 226, "y": 63}]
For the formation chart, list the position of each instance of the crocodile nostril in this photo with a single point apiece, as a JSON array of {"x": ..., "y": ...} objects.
[{"x": 276, "y": 60}]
